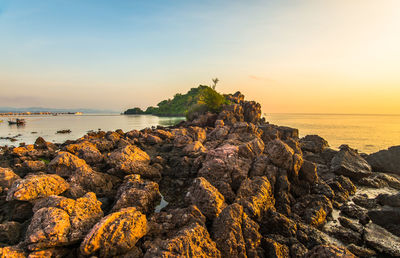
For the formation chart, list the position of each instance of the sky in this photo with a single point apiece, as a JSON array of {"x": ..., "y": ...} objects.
[{"x": 304, "y": 56}]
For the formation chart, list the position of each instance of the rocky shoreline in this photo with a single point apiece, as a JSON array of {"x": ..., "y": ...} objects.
[{"x": 222, "y": 185}]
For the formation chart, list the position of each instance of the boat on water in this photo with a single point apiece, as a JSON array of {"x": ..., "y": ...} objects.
[{"x": 17, "y": 121}]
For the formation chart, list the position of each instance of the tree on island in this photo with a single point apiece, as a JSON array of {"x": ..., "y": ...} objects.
[{"x": 195, "y": 102}]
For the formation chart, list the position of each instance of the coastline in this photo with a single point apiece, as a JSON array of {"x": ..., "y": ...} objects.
[{"x": 224, "y": 176}]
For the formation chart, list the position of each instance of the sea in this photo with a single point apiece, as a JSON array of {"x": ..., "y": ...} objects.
[{"x": 367, "y": 133}]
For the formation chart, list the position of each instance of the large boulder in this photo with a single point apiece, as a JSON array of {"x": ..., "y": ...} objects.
[
  {"x": 206, "y": 197},
  {"x": 10, "y": 232},
  {"x": 191, "y": 241},
  {"x": 386, "y": 217},
  {"x": 225, "y": 169},
  {"x": 386, "y": 160},
  {"x": 36, "y": 186},
  {"x": 256, "y": 197},
  {"x": 12, "y": 251},
  {"x": 81, "y": 177},
  {"x": 59, "y": 220},
  {"x": 348, "y": 162},
  {"x": 115, "y": 234},
  {"x": 136, "y": 192},
  {"x": 313, "y": 209},
  {"x": 313, "y": 143},
  {"x": 235, "y": 234},
  {"x": 132, "y": 160},
  {"x": 283, "y": 156},
  {"x": 7, "y": 177},
  {"x": 86, "y": 151},
  {"x": 34, "y": 166},
  {"x": 381, "y": 240}
]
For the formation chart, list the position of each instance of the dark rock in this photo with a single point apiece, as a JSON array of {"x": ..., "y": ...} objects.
[
  {"x": 255, "y": 195},
  {"x": 329, "y": 251},
  {"x": 86, "y": 151},
  {"x": 365, "y": 202},
  {"x": 235, "y": 234},
  {"x": 12, "y": 251},
  {"x": 135, "y": 192},
  {"x": 308, "y": 172},
  {"x": 313, "y": 209},
  {"x": 389, "y": 199},
  {"x": 225, "y": 169},
  {"x": 280, "y": 154},
  {"x": 277, "y": 223},
  {"x": 348, "y": 162},
  {"x": 381, "y": 240},
  {"x": 313, "y": 143},
  {"x": 387, "y": 218},
  {"x": 353, "y": 211},
  {"x": 274, "y": 249},
  {"x": 345, "y": 222},
  {"x": 343, "y": 234},
  {"x": 34, "y": 166},
  {"x": 386, "y": 160},
  {"x": 361, "y": 251},
  {"x": 59, "y": 221},
  {"x": 206, "y": 197},
  {"x": 7, "y": 177},
  {"x": 10, "y": 232}
]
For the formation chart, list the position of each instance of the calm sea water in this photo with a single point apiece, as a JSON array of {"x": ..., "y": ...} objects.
[
  {"x": 47, "y": 126},
  {"x": 367, "y": 133}
]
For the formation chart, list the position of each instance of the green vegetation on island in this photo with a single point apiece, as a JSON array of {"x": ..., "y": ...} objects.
[{"x": 197, "y": 100}]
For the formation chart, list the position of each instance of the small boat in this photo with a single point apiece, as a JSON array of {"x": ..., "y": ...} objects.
[{"x": 18, "y": 121}]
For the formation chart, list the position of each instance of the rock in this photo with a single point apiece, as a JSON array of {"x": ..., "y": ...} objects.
[
  {"x": 225, "y": 169},
  {"x": 252, "y": 149},
  {"x": 251, "y": 111},
  {"x": 56, "y": 252},
  {"x": 313, "y": 209},
  {"x": 34, "y": 166},
  {"x": 329, "y": 251},
  {"x": 86, "y": 151},
  {"x": 280, "y": 154},
  {"x": 190, "y": 241},
  {"x": 135, "y": 192},
  {"x": 363, "y": 201},
  {"x": 308, "y": 172},
  {"x": 72, "y": 220},
  {"x": 153, "y": 139},
  {"x": 386, "y": 217},
  {"x": 386, "y": 160},
  {"x": 198, "y": 133},
  {"x": 24, "y": 150},
  {"x": 194, "y": 147},
  {"x": 163, "y": 134},
  {"x": 255, "y": 195},
  {"x": 389, "y": 199},
  {"x": 81, "y": 177},
  {"x": 65, "y": 163},
  {"x": 353, "y": 211},
  {"x": 313, "y": 143},
  {"x": 274, "y": 249},
  {"x": 12, "y": 251},
  {"x": 7, "y": 177},
  {"x": 381, "y": 240},
  {"x": 10, "y": 232},
  {"x": 277, "y": 223},
  {"x": 36, "y": 186},
  {"x": 206, "y": 197},
  {"x": 391, "y": 180},
  {"x": 235, "y": 234},
  {"x": 132, "y": 160},
  {"x": 49, "y": 227},
  {"x": 361, "y": 251},
  {"x": 345, "y": 222},
  {"x": 348, "y": 162},
  {"x": 343, "y": 234},
  {"x": 116, "y": 233}
]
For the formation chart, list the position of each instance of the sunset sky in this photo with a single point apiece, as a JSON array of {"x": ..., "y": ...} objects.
[{"x": 311, "y": 56}]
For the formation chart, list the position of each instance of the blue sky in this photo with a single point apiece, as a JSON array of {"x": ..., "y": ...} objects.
[{"x": 119, "y": 54}]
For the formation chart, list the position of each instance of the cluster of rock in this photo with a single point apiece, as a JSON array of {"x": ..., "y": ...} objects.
[{"x": 223, "y": 185}]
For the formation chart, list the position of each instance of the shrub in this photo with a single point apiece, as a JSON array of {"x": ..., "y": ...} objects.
[{"x": 212, "y": 99}]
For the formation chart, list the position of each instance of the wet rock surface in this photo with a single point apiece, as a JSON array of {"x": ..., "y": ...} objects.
[{"x": 222, "y": 185}]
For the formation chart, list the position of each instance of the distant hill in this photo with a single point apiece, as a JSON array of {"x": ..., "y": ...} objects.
[
  {"x": 177, "y": 106},
  {"x": 61, "y": 110}
]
